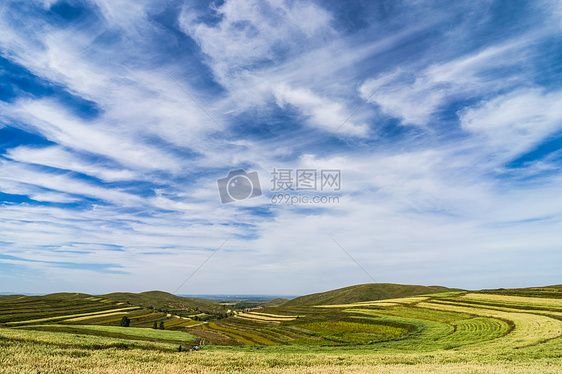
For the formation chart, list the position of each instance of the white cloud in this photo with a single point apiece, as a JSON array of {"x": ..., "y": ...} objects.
[
  {"x": 416, "y": 97},
  {"x": 53, "y": 122},
  {"x": 253, "y": 32},
  {"x": 14, "y": 172},
  {"x": 408, "y": 210},
  {"x": 135, "y": 101},
  {"x": 321, "y": 112},
  {"x": 36, "y": 193},
  {"x": 512, "y": 124},
  {"x": 57, "y": 157}
]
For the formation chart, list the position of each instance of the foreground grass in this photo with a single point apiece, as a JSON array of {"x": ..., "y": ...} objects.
[{"x": 24, "y": 351}]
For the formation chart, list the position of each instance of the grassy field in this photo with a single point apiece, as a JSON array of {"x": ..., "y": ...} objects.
[
  {"x": 448, "y": 332},
  {"x": 124, "y": 332},
  {"x": 23, "y": 352}
]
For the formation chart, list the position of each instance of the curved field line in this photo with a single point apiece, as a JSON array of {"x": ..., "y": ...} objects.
[
  {"x": 423, "y": 314},
  {"x": 476, "y": 330},
  {"x": 272, "y": 315},
  {"x": 245, "y": 335},
  {"x": 191, "y": 324},
  {"x": 535, "y": 302},
  {"x": 174, "y": 322},
  {"x": 92, "y": 317},
  {"x": 131, "y": 331},
  {"x": 356, "y": 305},
  {"x": 261, "y": 318},
  {"x": 425, "y": 338},
  {"x": 70, "y": 316},
  {"x": 530, "y": 329},
  {"x": 256, "y": 319},
  {"x": 131, "y": 318},
  {"x": 61, "y": 339},
  {"x": 548, "y": 313},
  {"x": 267, "y": 318},
  {"x": 232, "y": 335}
]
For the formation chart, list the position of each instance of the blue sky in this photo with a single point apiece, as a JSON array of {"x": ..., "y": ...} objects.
[{"x": 108, "y": 169}]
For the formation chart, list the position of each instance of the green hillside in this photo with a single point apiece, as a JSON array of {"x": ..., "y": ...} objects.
[
  {"x": 164, "y": 301},
  {"x": 548, "y": 291},
  {"x": 365, "y": 292},
  {"x": 275, "y": 302}
]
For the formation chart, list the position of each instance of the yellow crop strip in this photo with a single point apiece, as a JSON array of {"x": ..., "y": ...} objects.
[
  {"x": 118, "y": 319},
  {"x": 247, "y": 318},
  {"x": 264, "y": 318},
  {"x": 70, "y": 316},
  {"x": 547, "y": 313},
  {"x": 77, "y": 319},
  {"x": 514, "y": 300}
]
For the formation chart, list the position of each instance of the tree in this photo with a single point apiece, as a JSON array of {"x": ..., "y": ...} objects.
[
  {"x": 155, "y": 326},
  {"x": 161, "y": 325},
  {"x": 125, "y": 321}
]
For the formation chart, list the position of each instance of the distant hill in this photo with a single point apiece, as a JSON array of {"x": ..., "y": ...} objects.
[
  {"x": 162, "y": 300},
  {"x": 275, "y": 302},
  {"x": 365, "y": 292},
  {"x": 554, "y": 291}
]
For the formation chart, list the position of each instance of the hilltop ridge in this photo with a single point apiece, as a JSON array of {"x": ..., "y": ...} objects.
[{"x": 366, "y": 292}]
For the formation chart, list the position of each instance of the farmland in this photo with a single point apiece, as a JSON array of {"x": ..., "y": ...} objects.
[{"x": 448, "y": 332}]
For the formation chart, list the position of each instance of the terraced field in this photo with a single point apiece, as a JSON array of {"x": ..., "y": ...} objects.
[
  {"x": 28, "y": 308},
  {"x": 266, "y": 317},
  {"x": 452, "y": 320},
  {"x": 538, "y": 303},
  {"x": 450, "y": 325},
  {"x": 84, "y": 314},
  {"x": 301, "y": 326},
  {"x": 529, "y": 328},
  {"x": 475, "y": 330}
]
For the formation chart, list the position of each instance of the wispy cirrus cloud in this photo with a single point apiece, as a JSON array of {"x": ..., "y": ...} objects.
[
  {"x": 516, "y": 122},
  {"x": 453, "y": 165},
  {"x": 251, "y": 34},
  {"x": 58, "y": 157},
  {"x": 320, "y": 112},
  {"x": 416, "y": 97}
]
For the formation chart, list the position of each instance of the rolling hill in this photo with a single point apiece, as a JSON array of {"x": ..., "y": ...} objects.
[
  {"x": 162, "y": 300},
  {"x": 365, "y": 292},
  {"x": 275, "y": 302},
  {"x": 446, "y": 332},
  {"x": 554, "y": 291}
]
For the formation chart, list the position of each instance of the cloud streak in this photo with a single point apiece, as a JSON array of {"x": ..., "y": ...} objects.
[{"x": 451, "y": 172}]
